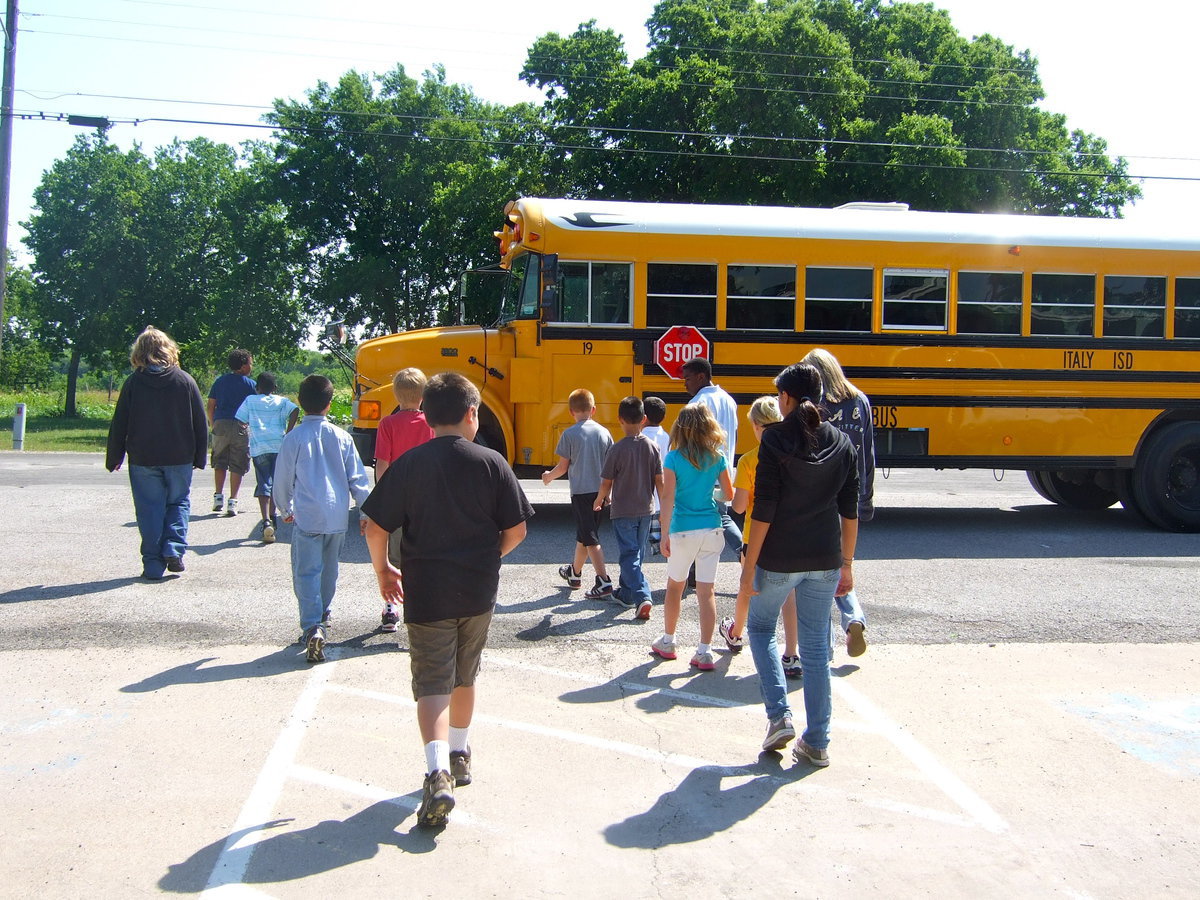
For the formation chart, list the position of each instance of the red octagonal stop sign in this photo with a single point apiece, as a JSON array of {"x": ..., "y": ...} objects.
[{"x": 678, "y": 344}]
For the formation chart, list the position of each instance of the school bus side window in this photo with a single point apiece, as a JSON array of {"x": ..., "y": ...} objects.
[
  {"x": 1063, "y": 304},
  {"x": 761, "y": 297},
  {"x": 1187, "y": 307},
  {"x": 681, "y": 294},
  {"x": 837, "y": 299},
  {"x": 915, "y": 298},
  {"x": 1134, "y": 306},
  {"x": 526, "y": 268},
  {"x": 989, "y": 302},
  {"x": 594, "y": 292}
]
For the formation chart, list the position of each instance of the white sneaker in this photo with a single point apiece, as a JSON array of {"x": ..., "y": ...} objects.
[
  {"x": 664, "y": 648},
  {"x": 231, "y": 508},
  {"x": 218, "y": 502},
  {"x": 268, "y": 532}
]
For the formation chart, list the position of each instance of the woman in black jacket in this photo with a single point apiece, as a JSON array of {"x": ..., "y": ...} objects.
[
  {"x": 801, "y": 537},
  {"x": 160, "y": 424}
]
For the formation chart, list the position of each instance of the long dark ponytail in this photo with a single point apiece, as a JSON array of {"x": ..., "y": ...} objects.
[{"x": 802, "y": 383}]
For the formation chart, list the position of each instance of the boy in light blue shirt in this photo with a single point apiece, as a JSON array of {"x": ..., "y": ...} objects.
[
  {"x": 268, "y": 418},
  {"x": 316, "y": 473}
]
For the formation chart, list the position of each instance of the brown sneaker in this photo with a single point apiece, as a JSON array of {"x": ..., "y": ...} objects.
[
  {"x": 856, "y": 640},
  {"x": 460, "y": 766},
  {"x": 437, "y": 799},
  {"x": 819, "y": 758}
]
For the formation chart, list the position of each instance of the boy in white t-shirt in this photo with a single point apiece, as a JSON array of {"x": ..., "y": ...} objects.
[
  {"x": 268, "y": 417},
  {"x": 656, "y": 411}
]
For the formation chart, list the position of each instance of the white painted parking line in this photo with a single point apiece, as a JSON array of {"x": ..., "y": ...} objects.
[
  {"x": 231, "y": 863},
  {"x": 225, "y": 880},
  {"x": 679, "y": 760}
]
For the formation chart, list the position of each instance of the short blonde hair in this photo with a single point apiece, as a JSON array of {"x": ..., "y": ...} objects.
[
  {"x": 581, "y": 400},
  {"x": 836, "y": 386},
  {"x": 764, "y": 411},
  {"x": 153, "y": 348},
  {"x": 408, "y": 385}
]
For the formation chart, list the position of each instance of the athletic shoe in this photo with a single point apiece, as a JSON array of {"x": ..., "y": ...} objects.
[
  {"x": 570, "y": 576},
  {"x": 644, "y": 609},
  {"x": 315, "y": 643},
  {"x": 856, "y": 641},
  {"x": 618, "y": 597},
  {"x": 390, "y": 619},
  {"x": 268, "y": 531},
  {"x": 327, "y": 621},
  {"x": 437, "y": 799},
  {"x": 819, "y": 758},
  {"x": 664, "y": 648},
  {"x": 779, "y": 732},
  {"x": 791, "y": 666},
  {"x": 703, "y": 661},
  {"x": 600, "y": 590},
  {"x": 460, "y": 766},
  {"x": 735, "y": 644},
  {"x": 231, "y": 506},
  {"x": 218, "y": 502},
  {"x": 174, "y": 563}
]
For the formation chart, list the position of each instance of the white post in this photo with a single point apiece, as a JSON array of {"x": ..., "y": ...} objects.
[{"x": 19, "y": 427}]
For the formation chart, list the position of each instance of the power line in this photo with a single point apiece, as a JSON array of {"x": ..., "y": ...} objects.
[
  {"x": 606, "y": 129},
  {"x": 615, "y": 129},
  {"x": 549, "y": 58},
  {"x": 557, "y": 146}
]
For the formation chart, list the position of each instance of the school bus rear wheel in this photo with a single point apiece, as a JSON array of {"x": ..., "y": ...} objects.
[{"x": 1166, "y": 480}]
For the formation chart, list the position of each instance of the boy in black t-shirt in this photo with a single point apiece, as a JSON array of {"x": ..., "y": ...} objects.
[{"x": 460, "y": 509}]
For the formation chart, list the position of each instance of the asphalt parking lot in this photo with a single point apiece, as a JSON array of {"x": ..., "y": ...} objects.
[{"x": 167, "y": 738}]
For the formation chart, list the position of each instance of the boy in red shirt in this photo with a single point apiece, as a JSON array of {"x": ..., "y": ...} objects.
[{"x": 401, "y": 431}]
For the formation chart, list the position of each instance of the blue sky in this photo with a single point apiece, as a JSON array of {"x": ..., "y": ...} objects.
[{"x": 1125, "y": 78}]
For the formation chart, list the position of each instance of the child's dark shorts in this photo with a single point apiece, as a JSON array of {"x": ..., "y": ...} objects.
[
  {"x": 264, "y": 473},
  {"x": 587, "y": 520},
  {"x": 446, "y": 654}
]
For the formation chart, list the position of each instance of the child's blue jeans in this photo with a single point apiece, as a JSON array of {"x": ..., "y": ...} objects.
[{"x": 632, "y": 533}]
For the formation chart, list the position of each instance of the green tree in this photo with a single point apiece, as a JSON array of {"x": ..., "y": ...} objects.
[
  {"x": 24, "y": 360},
  {"x": 395, "y": 185},
  {"x": 222, "y": 264},
  {"x": 815, "y": 102},
  {"x": 89, "y": 253}
]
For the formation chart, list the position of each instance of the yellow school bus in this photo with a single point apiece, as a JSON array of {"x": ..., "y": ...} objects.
[{"x": 1063, "y": 347}]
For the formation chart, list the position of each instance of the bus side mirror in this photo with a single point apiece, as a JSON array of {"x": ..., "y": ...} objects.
[{"x": 334, "y": 333}]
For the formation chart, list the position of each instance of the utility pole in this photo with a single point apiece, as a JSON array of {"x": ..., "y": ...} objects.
[{"x": 6, "y": 124}]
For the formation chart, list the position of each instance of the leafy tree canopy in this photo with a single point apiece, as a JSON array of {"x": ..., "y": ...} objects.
[{"x": 815, "y": 103}]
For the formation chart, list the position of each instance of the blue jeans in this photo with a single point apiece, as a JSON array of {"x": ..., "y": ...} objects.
[
  {"x": 733, "y": 534},
  {"x": 162, "y": 508},
  {"x": 849, "y": 610},
  {"x": 314, "y": 573},
  {"x": 814, "y": 602},
  {"x": 632, "y": 533}
]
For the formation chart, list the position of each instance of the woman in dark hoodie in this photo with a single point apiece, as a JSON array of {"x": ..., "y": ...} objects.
[
  {"x": 159, "y": 422},
  {"x": 802, "y": 535}
]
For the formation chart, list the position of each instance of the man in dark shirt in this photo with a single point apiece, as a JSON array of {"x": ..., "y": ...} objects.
[{"x": 460, "y": 509}]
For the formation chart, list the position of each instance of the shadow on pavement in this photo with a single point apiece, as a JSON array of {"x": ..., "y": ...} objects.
[
  {"x": 699, "y": 807},
  {"x": 63, "y": 591},
  {"x": 286, "y": 660},
  {"x": 658, "y": 691},
  {"x": 292, "y": 855}
]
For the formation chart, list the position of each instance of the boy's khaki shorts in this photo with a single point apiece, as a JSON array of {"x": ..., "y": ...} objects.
[
  {"x": 446, "y": 654},
  {"x": 231, "y": 446}
]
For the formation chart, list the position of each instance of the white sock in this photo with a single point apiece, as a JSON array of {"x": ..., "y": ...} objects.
[
  {"x": 458, "y": 740},
  {"x": 437, "y": 756},
  {"x": 669, "y": 638},
  {"x": 703, "y": 648}
]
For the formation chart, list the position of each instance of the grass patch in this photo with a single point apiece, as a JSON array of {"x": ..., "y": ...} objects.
[{"x": 47, "y": 429}]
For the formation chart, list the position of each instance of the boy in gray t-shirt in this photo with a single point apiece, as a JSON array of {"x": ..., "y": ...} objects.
[
  {"x": 581, "y": 451},
  {"x": 631, "y": 474}
]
